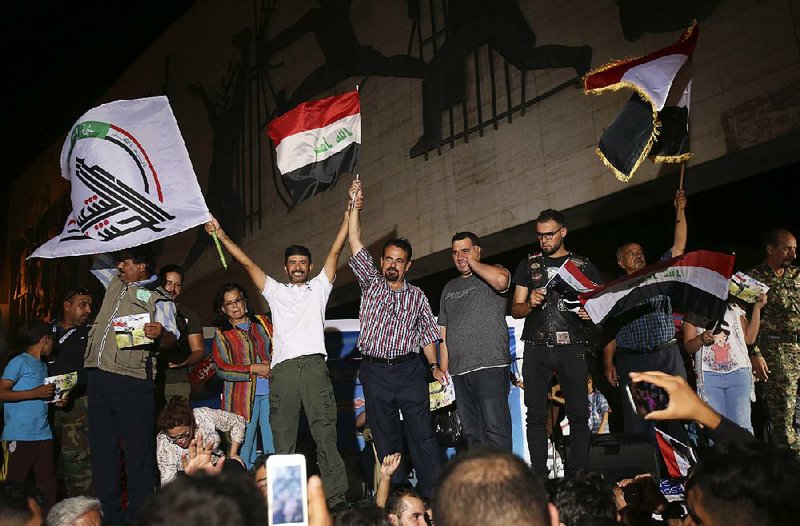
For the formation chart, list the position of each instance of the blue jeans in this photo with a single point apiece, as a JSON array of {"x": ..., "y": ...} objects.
[
  {"x": 729, "y": 395},
  {"x": 259, "y": 419}
]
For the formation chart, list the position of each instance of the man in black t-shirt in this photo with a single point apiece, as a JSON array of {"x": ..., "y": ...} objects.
[
  {"x": 190, "y": 348},
  {"x": 70, "y": 422},
  {"x": 556, "y": 335}
]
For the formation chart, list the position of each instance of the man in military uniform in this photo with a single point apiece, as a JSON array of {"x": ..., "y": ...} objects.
[
  {"x": 556, "y": 338},
  {"x": 70, "y": 422},
  {"x": 777, "y": 354}
]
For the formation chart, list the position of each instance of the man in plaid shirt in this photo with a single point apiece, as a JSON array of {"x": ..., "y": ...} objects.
[
  {"x": 647, "y": 343},
  {"x": 396, "y": 320}
]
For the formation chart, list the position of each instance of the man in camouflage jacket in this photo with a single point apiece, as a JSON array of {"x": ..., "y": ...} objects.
[{"x": 776, "y": 359}]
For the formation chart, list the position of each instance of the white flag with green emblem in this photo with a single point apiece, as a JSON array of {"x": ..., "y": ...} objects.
[{"x": 131, "y": 177}]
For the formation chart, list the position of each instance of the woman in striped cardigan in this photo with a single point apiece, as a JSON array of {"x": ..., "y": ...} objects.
[{"x": 242, "y": 353}]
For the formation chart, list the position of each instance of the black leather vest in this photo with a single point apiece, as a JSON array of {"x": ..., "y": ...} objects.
[{"x": 552, "y": 317}]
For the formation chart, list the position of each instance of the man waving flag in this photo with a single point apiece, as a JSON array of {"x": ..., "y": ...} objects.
[
  {"x": 132, "y": 181},
  {"x": 696, "y": 284}
]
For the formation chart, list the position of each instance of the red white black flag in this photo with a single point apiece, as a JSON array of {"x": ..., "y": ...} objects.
[
  {"x": 678, "y": 457},
  {"x": 316, "y": 142},
  {"x": 696, "y": 283},
  {"x": 574, "y": 278},
  {"x": 655, "y": 120}
]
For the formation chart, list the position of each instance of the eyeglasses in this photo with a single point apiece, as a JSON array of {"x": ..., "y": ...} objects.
[
  {"x": 179, "y": 438},
  {"x": 237, "y": 301},
  {"x": 547, "y": 235},
  {"x": 76, "y": 292}
]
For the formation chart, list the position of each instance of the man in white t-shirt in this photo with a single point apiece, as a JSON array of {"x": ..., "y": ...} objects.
[{"x": 299, "y": 374}]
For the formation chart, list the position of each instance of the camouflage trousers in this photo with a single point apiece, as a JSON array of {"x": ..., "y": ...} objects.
[
  {"x": 780, "y": 393},
  {"x": 71, "y": 429}
]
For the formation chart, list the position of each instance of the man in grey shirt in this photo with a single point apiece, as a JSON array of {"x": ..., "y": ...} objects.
[{"x": 474, "y": 348}]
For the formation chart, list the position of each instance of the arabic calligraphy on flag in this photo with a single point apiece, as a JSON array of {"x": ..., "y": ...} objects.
[{"x": 132, "y": 181}]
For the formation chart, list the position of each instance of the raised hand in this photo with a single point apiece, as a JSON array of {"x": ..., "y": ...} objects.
[
  {"x": 355, "y": 195},
  {"x": 199, "y": 458},
  {"x": 680, "y": 200},
  {"x": 213, "y": 226},
  {"x": 390, "y": 465}
]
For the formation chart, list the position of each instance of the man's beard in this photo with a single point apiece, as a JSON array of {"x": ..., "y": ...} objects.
[
  {"x": 787, "y": 262},
  {"x": 391, "y": 275},
  {"x": 552, "y": 250}
]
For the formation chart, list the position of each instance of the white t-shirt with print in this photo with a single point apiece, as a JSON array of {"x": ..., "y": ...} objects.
[{"x": 729, "y": 352}]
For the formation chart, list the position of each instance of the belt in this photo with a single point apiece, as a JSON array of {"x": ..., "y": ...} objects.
[
  {"x": 781, "y": 337},
  {"x": 660, "y": 347},
  {"x": 551, "y": 344},
  {"x": 390, "y": 361}
]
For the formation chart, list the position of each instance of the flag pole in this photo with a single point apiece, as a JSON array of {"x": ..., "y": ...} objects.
[
  {"x": 683, "y": 168},
  {"x": 353, "y": 197},
  {"x": 219, "y": 250}
]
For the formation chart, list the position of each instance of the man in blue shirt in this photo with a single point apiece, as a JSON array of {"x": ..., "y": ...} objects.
[
  {"x": 27, "y": 436},
  {"x": 648, "y": 342}
]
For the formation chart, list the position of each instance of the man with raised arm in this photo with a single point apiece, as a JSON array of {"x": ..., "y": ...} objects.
[
  {"x": 396, "y": 320},
  {"x": 298, "y": 370},
  {"x": 648, "y": 342},
  {"x": 474, "y": 348}
]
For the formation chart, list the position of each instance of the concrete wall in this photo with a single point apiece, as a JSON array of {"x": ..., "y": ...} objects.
[{"x": 745, "y": 94}]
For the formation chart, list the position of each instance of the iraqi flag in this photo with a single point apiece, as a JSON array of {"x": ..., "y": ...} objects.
[
  {"x": 572, "y": 276},
  {"x": 696, "y": 283},
  {"x": 678, "y": 457},
  {"x": 655, "y": 120},
  {"x": 316, "y": 142},
  {"x": 131, "y": 180}
]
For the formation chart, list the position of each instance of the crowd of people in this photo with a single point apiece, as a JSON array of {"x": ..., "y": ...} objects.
[{"x": 116, "y": 440}]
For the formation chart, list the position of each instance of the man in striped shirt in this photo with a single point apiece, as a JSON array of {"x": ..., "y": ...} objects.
[{"x": 396, "y": 320}]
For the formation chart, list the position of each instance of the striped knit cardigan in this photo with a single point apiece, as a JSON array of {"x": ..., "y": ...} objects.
[{"x": 234, "y": 350}]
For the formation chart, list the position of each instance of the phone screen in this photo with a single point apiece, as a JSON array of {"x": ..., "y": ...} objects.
[
  {"x": 287, "y": 490},
  {"x": 646, "y": 397}
]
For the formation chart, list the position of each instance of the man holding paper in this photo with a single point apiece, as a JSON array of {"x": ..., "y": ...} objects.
[
  {"x": 135, "y": 320},
  {"x": 70, "y": 423},
  {"x": 474, "y": 347}
]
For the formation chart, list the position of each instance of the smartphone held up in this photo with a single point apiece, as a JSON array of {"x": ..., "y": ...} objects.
[
  {"x": 287, "y": 495},
  {"x": 646, "y": 397}
]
